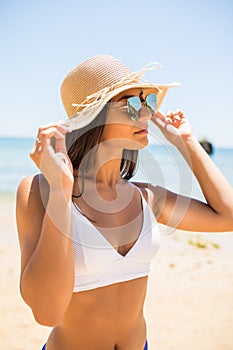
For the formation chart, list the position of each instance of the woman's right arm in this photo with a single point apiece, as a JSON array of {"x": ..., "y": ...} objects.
[{"x": 43, "y": 213}]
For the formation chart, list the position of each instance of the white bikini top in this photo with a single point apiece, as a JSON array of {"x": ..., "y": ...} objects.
[{"x": 97, "y": 262}]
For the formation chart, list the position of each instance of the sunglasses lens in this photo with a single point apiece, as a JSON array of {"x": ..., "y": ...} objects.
[
  {"x": 151, "y": 103},
  {"x": 134, "y": 106}
]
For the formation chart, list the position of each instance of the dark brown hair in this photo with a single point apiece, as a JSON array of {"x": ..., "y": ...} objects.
[{"x": 80, "y": 142}]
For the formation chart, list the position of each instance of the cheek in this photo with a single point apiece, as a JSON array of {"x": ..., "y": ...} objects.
[
  {"x": 122, "y": 135},
  {"x": 117, "y": 131}
]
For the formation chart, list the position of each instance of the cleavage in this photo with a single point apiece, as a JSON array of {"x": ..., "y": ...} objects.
[{"x": 120, "y": 228}]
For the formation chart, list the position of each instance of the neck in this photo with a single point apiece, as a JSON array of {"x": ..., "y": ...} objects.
[{"x": 105, "y": 171}]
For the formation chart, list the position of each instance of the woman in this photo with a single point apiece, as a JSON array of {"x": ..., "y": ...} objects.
[{"x": 87, "y": 234}]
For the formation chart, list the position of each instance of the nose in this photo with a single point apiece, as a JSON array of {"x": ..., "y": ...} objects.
[{"x": 144, "y": 113}]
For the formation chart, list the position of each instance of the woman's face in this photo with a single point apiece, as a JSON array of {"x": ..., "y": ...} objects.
[{"x": 120, "y": 129}]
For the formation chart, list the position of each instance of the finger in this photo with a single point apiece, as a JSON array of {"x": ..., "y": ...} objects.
[
  {"x": 60, "y": 127},
  {"x": 160, "y": 121},
  {"x": 60, "y": 145},
  {"x": 52, "y": 131},
  {"x": 43, "y": 140},
  {"x": 160, "y": 115},
  {"x": 170, "y": 116},
  {"x": 39, "y": 146},
  {"x": 169, "y": 113},
  {"x": 175, "y": 118},
  {"x": 46, "y": 126},
  {"x": 179, "y": 112}
]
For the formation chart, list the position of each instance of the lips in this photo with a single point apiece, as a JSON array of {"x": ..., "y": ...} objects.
[{"x": 142, "y": 132}]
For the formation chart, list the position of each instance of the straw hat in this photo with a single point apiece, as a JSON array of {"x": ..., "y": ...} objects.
[{"x": 90, "y": 85}]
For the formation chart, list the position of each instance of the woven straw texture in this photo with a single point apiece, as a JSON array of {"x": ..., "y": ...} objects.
[{"x": 88, "y": 78}]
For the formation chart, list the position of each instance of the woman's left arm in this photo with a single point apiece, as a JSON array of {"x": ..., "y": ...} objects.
[{"x": 186, "y": 213}]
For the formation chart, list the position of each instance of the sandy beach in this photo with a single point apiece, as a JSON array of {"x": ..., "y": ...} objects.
[{"x": 189, "y": 303}]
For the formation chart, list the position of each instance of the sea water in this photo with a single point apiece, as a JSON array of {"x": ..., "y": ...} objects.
[{"x": 158, "y": 164}]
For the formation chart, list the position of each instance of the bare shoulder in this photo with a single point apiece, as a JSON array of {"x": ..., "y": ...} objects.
[
  {"x": 154, "y": 195},
  {"x": 146, "y": 187},
  {"x": 31, "y": 200},
  {"x": 143, "y": 187},
  {"x": 32, "y": 191}
]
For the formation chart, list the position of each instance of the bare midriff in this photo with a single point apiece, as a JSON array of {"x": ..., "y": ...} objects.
[{"x": 105, "y": 318}]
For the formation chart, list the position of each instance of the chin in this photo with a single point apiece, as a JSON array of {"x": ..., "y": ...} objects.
[
  {"x": 136, "y": 145},
  {"x": 144, "y": 144}
]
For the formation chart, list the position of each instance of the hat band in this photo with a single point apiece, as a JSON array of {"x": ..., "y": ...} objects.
[{"x": 97, "y": 98}]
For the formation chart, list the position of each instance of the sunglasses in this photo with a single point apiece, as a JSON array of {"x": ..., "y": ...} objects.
[{"x": 134, "y": 104}]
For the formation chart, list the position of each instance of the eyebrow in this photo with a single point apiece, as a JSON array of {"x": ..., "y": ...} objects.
[{"x": 128, "y": 96}]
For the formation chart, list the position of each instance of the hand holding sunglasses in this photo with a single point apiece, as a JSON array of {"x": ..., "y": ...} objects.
[{"x": 173, "y": 125}]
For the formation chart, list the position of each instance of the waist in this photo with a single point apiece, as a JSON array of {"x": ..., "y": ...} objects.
[
  {"x": 111, "y": 335},
  {"x": 121, "y": 303},
  {"x": 112, "y": 315}
]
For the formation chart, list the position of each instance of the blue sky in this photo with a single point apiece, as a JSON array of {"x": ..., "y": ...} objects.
[{"x": 42, "y": 40}]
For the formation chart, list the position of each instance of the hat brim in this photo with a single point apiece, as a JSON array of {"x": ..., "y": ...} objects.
[{"x": 87, "y": 115}]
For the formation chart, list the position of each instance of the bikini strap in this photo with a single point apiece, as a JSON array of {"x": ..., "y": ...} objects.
[{"x": 149, "y": 200}]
